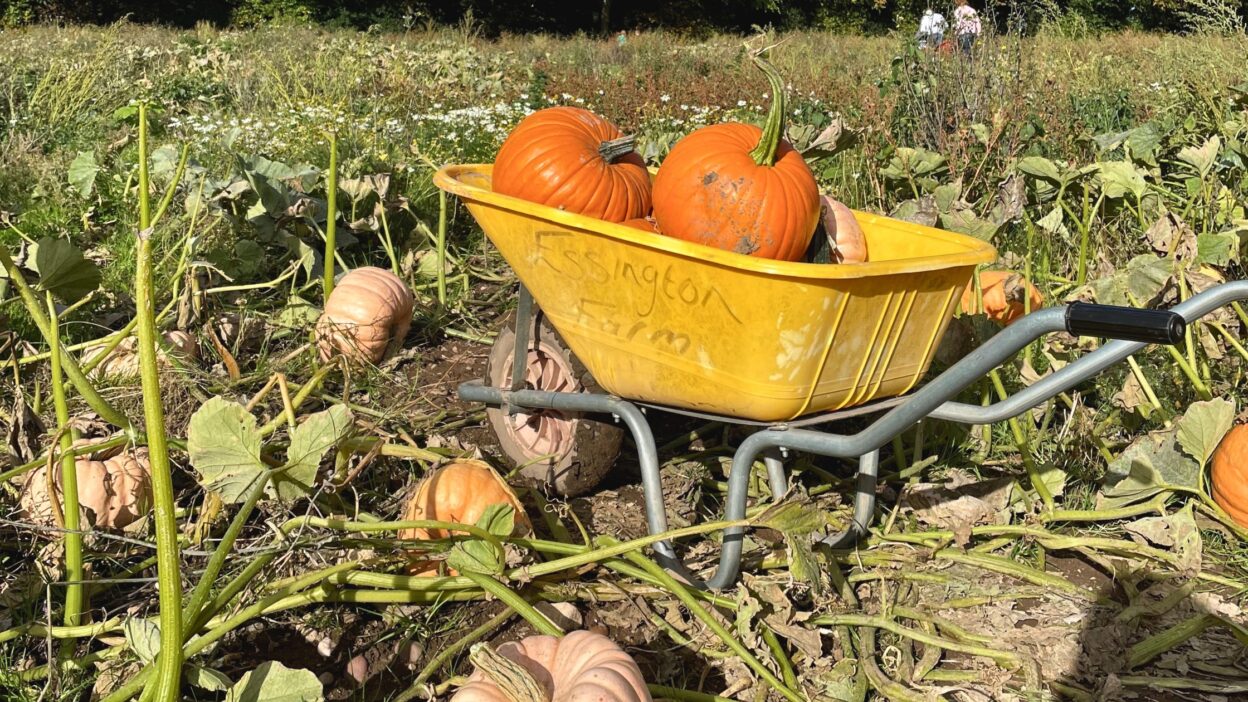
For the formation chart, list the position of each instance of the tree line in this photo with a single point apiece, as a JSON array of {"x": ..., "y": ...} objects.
[{"x": 492, "y": 17}]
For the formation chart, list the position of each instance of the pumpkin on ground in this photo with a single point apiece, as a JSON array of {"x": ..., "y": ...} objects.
[
  {"x": 366, "y": 316},
  {"x": 1229, "y": 474},
  {"x": 571, "y": 158},
  {"x": 740, "y": 188},
  {"x": 113, "y": 492},
  {"x": 580, "y": 667},
  {"x": 1005, "y": 294},
  {"x": 846, "y": 240},
  {"x": 123, "y": 362},
  {"x": 458, "y": 492}
]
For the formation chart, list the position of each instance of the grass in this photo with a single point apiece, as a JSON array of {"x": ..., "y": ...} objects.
[{"x": 991, "y": 147}]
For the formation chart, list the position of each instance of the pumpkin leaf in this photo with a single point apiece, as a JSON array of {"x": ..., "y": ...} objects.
[
  {"x": 82, "y": 172},
  {"x": 1152, "y": 464},
  {"x": 1140, "y": 281},
  {"x": 1176, "y": 533},
  {"x": 840, "y": 684},
  {"x": 1039, "y": 167},
  {"x": 478, "y": 555},
  {"x": 1054, "y": 222},
  {"x": 62, "y": 269},
  {"x": 1202, "y": 157},
  {"x": 1121, "y": 177},
  {"x": 208, "y": 678},
  {"x": 308, "y": 443},
  {"x": 143, "y": 637},
  {"x": 224, "y": 446},
  {"x": 273, "y": 682},
  {"x": 1218, "y": 249},
  {"x": 922, "y": 211},
  {"x": 1202, "y": 427}
]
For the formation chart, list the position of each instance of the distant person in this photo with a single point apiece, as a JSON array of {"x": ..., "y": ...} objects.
[
  {"x": 622, "y": 37},
  {"x": 965, "y": 25},
  {"x": 931, "y": 29}
]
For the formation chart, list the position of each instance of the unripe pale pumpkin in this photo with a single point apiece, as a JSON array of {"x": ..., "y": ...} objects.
[
  {"x": 123, "y": 362},
  {"x": 572, "y": 159},
  {"x": 112, "y": 493},
  {"x": 366, "y": 316},
  {"x": 580, "y": 667},
  {"x": 458, "y": 492},
  {"x": 845, "y": 237},
  {"x": 1004, "y": 296},
  {"x": 1229, "y": 474}
]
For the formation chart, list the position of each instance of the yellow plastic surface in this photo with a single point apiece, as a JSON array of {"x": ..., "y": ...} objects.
[{"x": 661, "y": 320}]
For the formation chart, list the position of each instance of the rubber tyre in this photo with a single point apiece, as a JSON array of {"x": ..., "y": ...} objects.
[{"x": 585, "y": 448}]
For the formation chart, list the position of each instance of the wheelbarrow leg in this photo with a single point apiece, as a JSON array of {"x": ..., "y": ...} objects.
[
  {"x": 864, "y": 503},
  {"x": 772, "y": 458}
]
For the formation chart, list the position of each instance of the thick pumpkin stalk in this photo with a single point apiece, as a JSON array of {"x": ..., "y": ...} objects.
[
  {"x": 69, "y": 485},
  {"x": 773, "y": 129},
  {"x": 168, "y": 567},
  {"x": 331, "y": 216},
  {"x": 516, "y": 683},
  {"x": 614, "y": 149}
]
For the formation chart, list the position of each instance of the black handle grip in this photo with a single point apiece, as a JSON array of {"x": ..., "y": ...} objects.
[{"x": 1125, "y": 323}]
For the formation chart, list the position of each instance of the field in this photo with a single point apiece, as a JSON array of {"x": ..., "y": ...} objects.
[{"x": 1074, "y": 552}]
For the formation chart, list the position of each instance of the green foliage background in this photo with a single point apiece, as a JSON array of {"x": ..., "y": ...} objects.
[{"x": 558, "y": 16}]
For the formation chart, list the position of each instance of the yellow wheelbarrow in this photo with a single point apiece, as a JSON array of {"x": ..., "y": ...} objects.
[{"x": 612, "y": 321}]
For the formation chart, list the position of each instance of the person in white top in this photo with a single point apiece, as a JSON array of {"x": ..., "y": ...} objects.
[
  {"x": 931, "y": 29},
  {"x": 965, "y": 25}
]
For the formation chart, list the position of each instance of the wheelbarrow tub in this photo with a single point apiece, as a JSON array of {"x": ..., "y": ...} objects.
[{"x": 665, "y": 321}]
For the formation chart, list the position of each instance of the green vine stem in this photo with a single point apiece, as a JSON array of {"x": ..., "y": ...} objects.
[
  {"x": 74, "y": 593},
  {"x": 168, "y": 568},
  {"x": 516, "y": 603},
  {"x": 441, "y": 247},
  {"x": 773, "y": 129},
  {"x": 1004, "y": 658},
  {"x": 331, "y": 217},
  {"x": 1177, "y": 635},
  {"x": 72, "y": 371},
  {"x": 777, "y": 650},
  {"x": 675, "y": 693},
  {"x": 682, "y": 593}
]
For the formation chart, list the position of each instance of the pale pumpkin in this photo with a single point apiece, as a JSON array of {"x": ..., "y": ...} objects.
[
  {"x": 457, "y": 492},
  {"x": 123, "y": 362},
  {"x": 366, "y": 316},
  {"x": 1005, "y": 296},
  {"x": 1229, "y": 474},
  {"x": 581, "y": 667},
  {"x": 113, "y": 492},
  {"x": 846, "y": 240}
]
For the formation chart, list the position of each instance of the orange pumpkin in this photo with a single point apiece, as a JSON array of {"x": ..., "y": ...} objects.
[
  {"x": 458, "y": 492},
  {"x": 646, "y": 224},
  {"x": 571, "y": 158},
  {"x": 113, "y": 492},
  {"x": 845, "y": 236},
  {"x": 740, "y": 188},
  {"x": 581, "y": 667},
  {"x": 1005, "y": 294},
  {"x": 366, "y": 316},
  {"x": 1229, "y": 474}
]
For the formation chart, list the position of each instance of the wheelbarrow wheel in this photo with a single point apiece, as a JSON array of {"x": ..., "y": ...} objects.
[{"x": 569, "y": 453}]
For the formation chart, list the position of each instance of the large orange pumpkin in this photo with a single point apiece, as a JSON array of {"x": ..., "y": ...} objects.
[
  {"x": 646, "y": 224},
  {"x": 366, "y": 316},
  {"x": 1229, "y": 474},
  {"x": 458, "y": 492},
  {"x": 571, "y": 158},
  {"x": 1005, "y": 294},
  {"x": 740, "y": 188},
  {"x": 580, "y": 667}
]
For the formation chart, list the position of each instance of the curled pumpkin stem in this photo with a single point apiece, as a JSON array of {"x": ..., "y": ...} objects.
[
  {"x": 613, "y": 150},
  {"x": 516, "y": 683},
  {"x": 773, "y": 129}
]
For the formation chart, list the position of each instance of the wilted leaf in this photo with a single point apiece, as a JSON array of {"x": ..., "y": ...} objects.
[
  {"x": 1203, "y": 425},
  {"x": 63, "y": 270},
  {"x": 1150, "y": 465},
  {"x": 224, "y": 446},
  {"x": 1171, "y": 234},
  {"x": 965, "y": 221},
  {"x": 82, "y": 172},
  {"x": 1139, "y": 282},
  {"x": 308, "y": 442},
  {"x": 273, "y": 682},
  {"x": 922, "y": 211},
  {"x": 1053, "y": 222},
  {"x": 297, "y": 314},
  {"x": 143, "y": 637},
  {"x": 1204, "y": 157}
]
